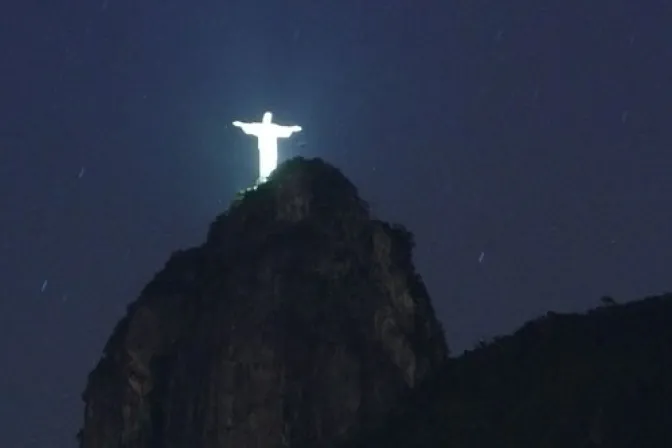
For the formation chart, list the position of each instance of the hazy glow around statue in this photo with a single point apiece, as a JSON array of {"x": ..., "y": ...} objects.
[{"x": 267, "y": 134}]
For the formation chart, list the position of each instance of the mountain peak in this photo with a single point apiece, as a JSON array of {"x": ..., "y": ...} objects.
[
  {"x": 300, "y": 190},
  {"x": 300, "y": 321}
]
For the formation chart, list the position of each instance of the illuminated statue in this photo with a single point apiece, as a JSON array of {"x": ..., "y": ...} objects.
[{"x": 267, "y": 134}]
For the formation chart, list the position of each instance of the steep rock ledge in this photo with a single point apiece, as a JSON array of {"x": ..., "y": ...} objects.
[{"x": 299, "y": 322}]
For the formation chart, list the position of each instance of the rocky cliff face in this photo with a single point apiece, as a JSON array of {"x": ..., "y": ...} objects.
[{"x": 299, "y": 322}]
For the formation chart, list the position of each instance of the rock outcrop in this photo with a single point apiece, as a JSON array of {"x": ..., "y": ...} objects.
[{"x": 299, "y": 322}]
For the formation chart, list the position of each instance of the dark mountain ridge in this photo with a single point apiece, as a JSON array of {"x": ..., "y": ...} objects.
[
  {"x": 299, "y": 321},
  {"x": 603, "y": 378}
]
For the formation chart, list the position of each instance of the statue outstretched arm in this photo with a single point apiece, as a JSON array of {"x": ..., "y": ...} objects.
[
  {"x": 286, "y": 131},
  {"x": 248, "y": 128}
]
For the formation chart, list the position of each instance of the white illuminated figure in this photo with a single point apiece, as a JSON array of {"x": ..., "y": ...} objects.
[{"x": 267, "y": 134}]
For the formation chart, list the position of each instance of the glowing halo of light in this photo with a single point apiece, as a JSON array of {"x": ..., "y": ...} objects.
[{"x": 267, "y": 134}]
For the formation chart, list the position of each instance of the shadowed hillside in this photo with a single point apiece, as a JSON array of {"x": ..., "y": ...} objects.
[
  {"x": 299, "y": 322},
  {"x": 565, "y": 380}
]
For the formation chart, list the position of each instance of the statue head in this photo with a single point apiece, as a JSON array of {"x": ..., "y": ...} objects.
[{"x": 267, "y": 117}]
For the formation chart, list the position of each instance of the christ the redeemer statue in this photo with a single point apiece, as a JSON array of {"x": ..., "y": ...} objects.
[{"x": 267, "y": 134}]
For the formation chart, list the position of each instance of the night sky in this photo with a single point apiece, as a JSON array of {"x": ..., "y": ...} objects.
[{"x": 528, "y": 147}]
